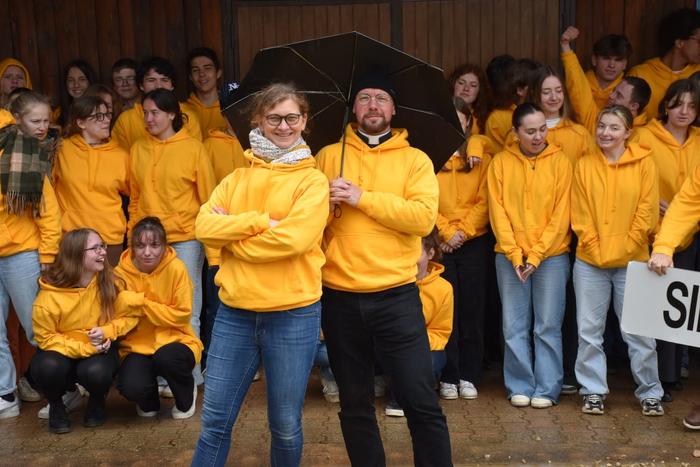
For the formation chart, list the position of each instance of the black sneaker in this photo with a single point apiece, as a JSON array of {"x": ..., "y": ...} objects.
[
  {"x": 652, "y": 407},
  {"x": 593, "y": 404},
  {"x": 393, "y": 409},
  {"x": 95, "y": 412},
  {"x": 59, "y": 422}
]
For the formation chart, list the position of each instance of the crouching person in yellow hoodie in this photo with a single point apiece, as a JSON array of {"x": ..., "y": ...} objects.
[
  {"x": 268, "y": 219},
  {"x": 438, "y": 307},
  {"x": 614, "y": 209},
  {"x": 163, "y": 342},
  {"x": 78, "y": 315},
  {"x": 529, "y": 205}
]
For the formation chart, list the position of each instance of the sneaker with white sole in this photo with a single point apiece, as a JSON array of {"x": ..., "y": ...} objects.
[
  {"x": 519, "y": 400},
  {"x": 72, "y": 400},
  {"x": 26, "y": 392},
  {"x": 652, "y": 407},
  {"x": 165, "y": 391},
  {"x": 448, "y": 391},
  {"x": 144, "y": 414},
  {"x": 568, "y": 389},
  {"x": 393, "y": 409},
  {"x": 467, "y": 390},
  {"x": 541, "y": 403},
  {"x": 330, "y": 390},
  {"x": 593, "y": 404},
  {"x": 179, "y": 415},
  {"x": 9, "y": 409}
]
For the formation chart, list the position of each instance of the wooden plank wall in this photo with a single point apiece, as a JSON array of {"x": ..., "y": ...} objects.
[
  {"x": 47, "y": 34},
  {"x": 637, "y": 19}
]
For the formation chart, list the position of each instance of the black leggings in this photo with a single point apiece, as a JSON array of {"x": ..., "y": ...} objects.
[
  {"x": 54, "y": 373},
  {"x": 138, "y": 376}
]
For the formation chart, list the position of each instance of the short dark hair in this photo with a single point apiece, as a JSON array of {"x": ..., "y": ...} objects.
[
  {"x": 123, "y": 63},
  {"x": 202, "y": 52},
  {"x": 672, "y": 98},
  {"x": 166, "y": 101},
  {"x": 641, "y": 92},
  {"x": 496, "y": 72},
  {"x": 159, "y": 65},
  {"x": 613, "y": 45},
  {"x": 522, "y": 111},
  {"x": 679, "y": 24}
]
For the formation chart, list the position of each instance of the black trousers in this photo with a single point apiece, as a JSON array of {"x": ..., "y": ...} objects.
[
  {"x": 138, "y": 375},
  {"x": 389, "y": 325},
  {"x": 465, "y": 270},
  {"x": 54, "y": 373}
]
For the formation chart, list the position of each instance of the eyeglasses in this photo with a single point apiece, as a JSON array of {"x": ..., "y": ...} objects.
[
  {"x": 380, "y": 99},
  {"x": 127, "y": 80},
  {"x": 96, "y": 248},
  {"x": 100, "y": 117},
  {"x": 276, "y": 120}
]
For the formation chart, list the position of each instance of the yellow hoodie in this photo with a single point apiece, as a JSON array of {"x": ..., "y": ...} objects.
[
  {"x": 529, "y": 204},
  {"x": 463, "y": 199},
  {"x": 659, "y": 77},
  {"x": 62, "y": 317},
  {"x": 22, "y": 233},
  {"x": 438, "y": 306},
  {"x": 264, "y": 268},
  {"x": 6, "y": 118},
  {"x": 376, "y": 245},
  {"x": 615, "y": 207},
  {"x": 209, "y": 117},
  {"x": 9, "y": 61},
  {"x": 167, "y": 306},
  {"x": 571, "y": 137},
  {"x": 171, "y": 179},
  {"x": 88, "y": 181},
  {"x": 225, "y": 152},
  {"x": 131, "y": 126},
  {"x": 498, "y": 124},
  {"x": 682, "y": 216}
]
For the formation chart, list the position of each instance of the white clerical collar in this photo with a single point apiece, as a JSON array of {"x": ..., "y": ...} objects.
[{"x": 374, "y": 140}]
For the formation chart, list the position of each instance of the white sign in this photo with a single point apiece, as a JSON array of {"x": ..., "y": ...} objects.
[{"x": 662, "y": 307}]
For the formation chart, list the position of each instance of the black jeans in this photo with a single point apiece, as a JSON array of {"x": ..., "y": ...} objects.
[
  {"x": 389, "y": 325},
  {"x": 138, "y": 376},
  {"x": 54, "y": 373},
  {"x": 465, "y": 270}
]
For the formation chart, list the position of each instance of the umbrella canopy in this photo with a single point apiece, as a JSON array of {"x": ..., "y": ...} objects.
[{"x": 326, "y": 69}]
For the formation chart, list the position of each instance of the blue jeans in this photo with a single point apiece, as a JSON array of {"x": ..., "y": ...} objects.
[
  {"x": 322, "y": 362},
  {"x": 286, "y": 343},
  {"x": 18, "y": 284},
  {"x": 542, "y": 297},
  {"x": 593, "y": 288},
  {"x": 191, "y": 253}
]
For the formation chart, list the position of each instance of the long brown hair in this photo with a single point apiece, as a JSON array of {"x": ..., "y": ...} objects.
[
  {"x": 66, "y": 270},
  {"x": 479, "y": 108}
]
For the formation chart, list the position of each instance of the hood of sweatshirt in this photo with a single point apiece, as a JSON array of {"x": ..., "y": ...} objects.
[
  {"x": 128, "y": 266},
  {"x": 434, "y": 272},
  {"x": 398, "y": 140},
  {"x": 7, "y": 62},
  {"x": 257, "y": 162},
  {"x": 657, "y": 129},
  {"x": 221, "y": 134},
  {"x": 181, "y": 135}
]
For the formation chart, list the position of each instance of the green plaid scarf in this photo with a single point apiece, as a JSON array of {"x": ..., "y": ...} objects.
[{"x": 24, "y": 162}]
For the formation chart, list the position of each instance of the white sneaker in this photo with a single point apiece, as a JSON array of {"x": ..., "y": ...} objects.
[
  {"x": 467, "y": 390},
  {"x": 26, "y": 392},
  {"x": 72, "y": 400},
  {"x": 519, "y": 400},
  {"x": 165, "y": 391},
  {"x": 143, "y": 414},
  {"x": 541, "y": 402},
  {"x": 448, "y": 391},
  {"x": 330, "y": 390},
  {"x": 379, "y": 386},
  {"x": 177, "y": 414},
  {"x": 9, "y": 409}
]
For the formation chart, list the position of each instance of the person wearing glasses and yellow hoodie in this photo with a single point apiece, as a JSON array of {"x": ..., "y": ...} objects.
[
  {"x": 614, "y": 210},
  {"x": 679, "y": 44},
  {"x": 170, "y": 178},
  {"x": 163, "y": 343},
  {"x": 90, "y": 173},
  {"x": 268, "y": 219},
  {"x": 529, "y": 187},
  {"x": 675, "y": 145}
]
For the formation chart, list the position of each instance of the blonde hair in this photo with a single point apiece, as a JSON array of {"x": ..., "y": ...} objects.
[{"x": 620, "y": 112}]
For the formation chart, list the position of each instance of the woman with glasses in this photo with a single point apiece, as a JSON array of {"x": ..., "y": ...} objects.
[
  {"x": 170, "y": 178},
  {"x": 90, "y": 173},
  {"x": 77, "y": 315},
  {"x": 268, "y": 219}
]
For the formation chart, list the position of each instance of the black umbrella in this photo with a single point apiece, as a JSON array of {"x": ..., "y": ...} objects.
[{"x": 325, "y": 70}]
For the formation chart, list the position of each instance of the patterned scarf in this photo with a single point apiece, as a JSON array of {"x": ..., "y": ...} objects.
[
  {"x": 24, "y": 163},
  {"x": 269, "y": 152}
]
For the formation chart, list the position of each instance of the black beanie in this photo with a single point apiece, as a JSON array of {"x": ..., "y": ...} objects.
[{"x": 373, "y": 80}]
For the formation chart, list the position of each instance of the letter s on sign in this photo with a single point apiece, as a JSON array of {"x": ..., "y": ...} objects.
[{"x": 677, "y": 304}]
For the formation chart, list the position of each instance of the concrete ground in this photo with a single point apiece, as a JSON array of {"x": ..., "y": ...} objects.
[{"x": 483, "y": 431}]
